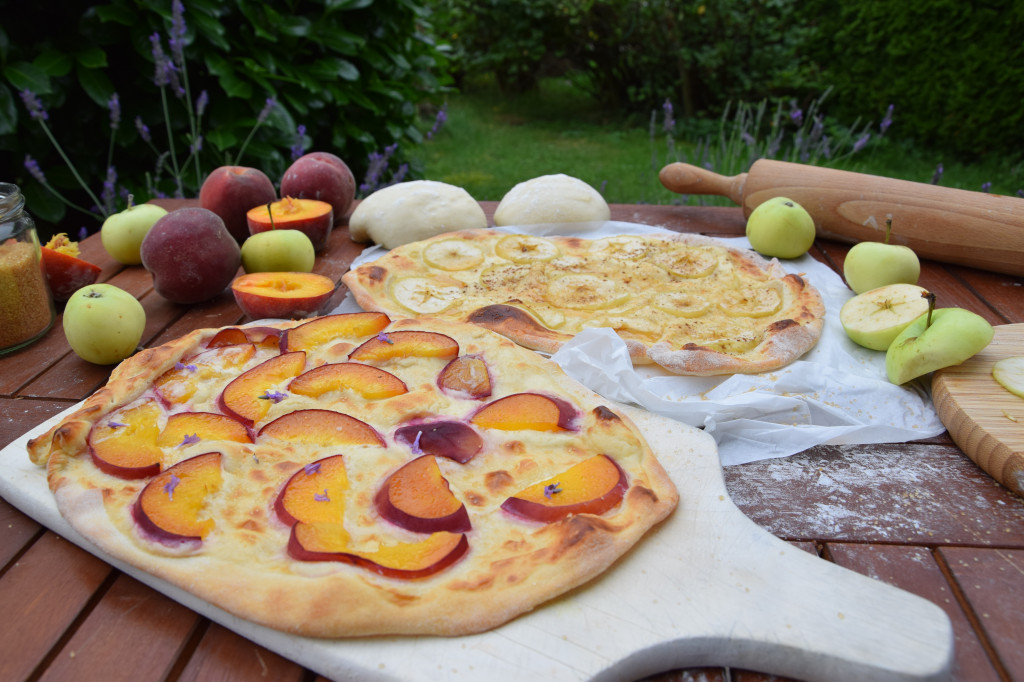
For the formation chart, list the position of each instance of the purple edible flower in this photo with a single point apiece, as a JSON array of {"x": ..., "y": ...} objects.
[
  {"x": 887, "y": 120},
  {"x": 937, "y": 175},
  {"x": 33, "y": 167},
  {"x": 171, "y": 485},
  {"x": 34, "y": 106},
  {"x": 384, "y": 337},
  {"x": 796, "y": 115},
  {"x": 143, "y": 129},
  {"x": 322, "y": 498},
  {"x": 276, "y": 396},
  {"x": 109, "y": 188},
  {"x": 196, "y": 146},
  {"x": 201, "y": 102},
  {"x": 116, "y": 425},
  {"x": 439, "y": 121},
  {"x": 176, "y": 37},
  {"x": 267, "y": 108},
  {"x": 299, "y": 146},
  {"x": 859, "y": 144},
  {"x": 181, "y": 365},
  {"x": 114, "y": 106},
  {"x": 416, "y": 449},
  {"x": 552, "y": 489},
  {"x": 312, "y": 468},
  {"x": 190, "y": 439},
  {"x": 670, "y": 122},
  {"x": 986, "y": 187},
  {"x": 83, "y": 232}
]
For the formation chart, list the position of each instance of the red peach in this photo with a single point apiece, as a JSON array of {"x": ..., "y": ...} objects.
[
  {"x": 230, "y": 191},
  {"x": 322, "y": 176}
]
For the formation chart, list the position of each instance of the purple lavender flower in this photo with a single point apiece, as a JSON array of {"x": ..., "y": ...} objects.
[
  {"x": 161, "y": 65},
  {"x": 669, "y": 124},
  {"x": 416, "y": 449},
  {"x": 190, "y": 439},
  {"x": 400, "y": 173},
  {"x": 176, "y": 37},
  {"x": 322, "y": 498},
  {"x": 171, "y": 485},
  {"x": 553, "y": 489},
  {"x": 267, "y": 108},
  {"x": 439, "y": 121},
  {"x": 1020, "y": 193},
  {"x": 384, "y": 338},
  {"x": 83, "y": 232},
  {"x": 114, "y": 106},
  {"x": 143, "y": 129},
  {"x": 114, "y": 425},
  {"x": 887, "y": 121},
  {"x": 796, "y": 115},
  {"x": 860, "y": 143},
  {"x": 201, "y": 102},
  {"x": 986, "y": 187},
  {"x": 276, "y": 396},
  {"x": 312, "y": 468},
  {"x": 937, "y": 175},
  {"x": 197, "y": 145},
  {"x": 299, "y": 146},
  {"x": 34, "y": 106},
  {"x": 181, "y": 365},
  {"x": 748, "y": 139},
  {"x": 109, "y": 188},
  {"x": 32, "y": 166}
]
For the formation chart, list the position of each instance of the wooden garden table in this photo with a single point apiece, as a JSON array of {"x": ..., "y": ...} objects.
[{"x": 919, "y": 515}]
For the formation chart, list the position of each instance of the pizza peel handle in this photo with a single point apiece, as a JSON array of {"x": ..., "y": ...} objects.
[{"x": 939, "y": 223}]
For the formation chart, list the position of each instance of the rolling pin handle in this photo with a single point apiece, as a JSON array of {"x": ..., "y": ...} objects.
[{"x": 684, "y": 178}]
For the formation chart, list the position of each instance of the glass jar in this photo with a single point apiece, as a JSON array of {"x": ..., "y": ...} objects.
[{"x": 26, "y": 306}]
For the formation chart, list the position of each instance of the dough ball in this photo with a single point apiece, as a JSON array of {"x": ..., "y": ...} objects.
[
  {"x": 551, "y": 199},
  {"x": 412, "y": 211}
]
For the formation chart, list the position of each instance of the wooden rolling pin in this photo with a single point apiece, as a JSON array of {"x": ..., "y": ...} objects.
[{"x": 940, "y": 223}]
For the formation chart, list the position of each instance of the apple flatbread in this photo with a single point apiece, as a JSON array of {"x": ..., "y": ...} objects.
[
  {"x": 689, "y": 303},
  {"x": 356, "y": 475}
]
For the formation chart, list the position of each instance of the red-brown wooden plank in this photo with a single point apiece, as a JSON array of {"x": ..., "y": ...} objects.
[
  {"x": 915, "y": 570},
  {"x": 225, "y": 656},
  {"x": 133, "y": 633},
  {"x": 40, "y": 597},
  {"x": 993, "y": 582},
  {"x": 21, "y": 414},
  {"x": 16, "y": 532},
  {"x": 1005, "y": 294}
]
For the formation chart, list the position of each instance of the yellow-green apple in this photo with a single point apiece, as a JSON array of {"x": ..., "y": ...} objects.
[
  {"x": 103, "y": 324},
  {"x": 230, "y": 191},
  {"x": 122, "y": 233},
  {"x": 873, "y": 319},
  {"x": 870, "y": 265},
  {"x": 282, "y": 295},
  {"x": 1009, "y": 372},
  {"x": 939, "y": 338},
  {"x": 191, "y": 255},
  {"x": 278, "y": 251},
  {"x": 780, "y": 228}
]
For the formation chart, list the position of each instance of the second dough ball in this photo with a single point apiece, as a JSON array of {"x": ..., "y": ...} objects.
[
  {"x": 412, "y": 211},
  {"x": 551, "y": 199}
]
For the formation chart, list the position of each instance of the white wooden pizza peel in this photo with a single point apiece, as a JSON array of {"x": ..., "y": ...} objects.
[{"x": 707, "y": 587}]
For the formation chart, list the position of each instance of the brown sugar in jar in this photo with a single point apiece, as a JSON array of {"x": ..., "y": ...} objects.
[{"x": 26, "y": 306}]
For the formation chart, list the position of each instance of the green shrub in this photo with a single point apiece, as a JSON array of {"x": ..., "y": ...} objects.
[{"x": 349, "y": 73}]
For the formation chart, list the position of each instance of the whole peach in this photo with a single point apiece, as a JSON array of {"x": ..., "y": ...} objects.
[
  {"x": 323, "y": 176},
  {"x": 230, "y": 191},
  {"x": 191, "y": 255}
]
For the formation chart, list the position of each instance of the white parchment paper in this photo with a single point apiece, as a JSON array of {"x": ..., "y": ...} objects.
[{"x": 835, "y": 394}]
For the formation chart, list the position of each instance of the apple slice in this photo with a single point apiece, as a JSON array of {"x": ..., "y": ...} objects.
[
  {"x": 186, "y": 428},
  {"x": 404, "y": 560},
  {"x": 531, "y": 411},
  {"x": 248, "y": 396},
  {"x": 321, "y": 428},
  {"x": 873, "y": 319},
  {"x": 417, "y": 497},
  {"x": 467, "y": 375},
  {"x": 404, "y": 344},
  {"x": 124, "y": 445},
  {"x": 451, "y": 439},
  {"x": 369, "y": 382},
  {"x": 1009, "y": 373},
  {"x": 321, "y": 330},
  {"x": 315, "y": 493},
  {"x": 593, "y": 486},
  {"x": 169, "y": 508},
  {"x": 178, "y": 385},
  {"x": 284, "y": 295}
]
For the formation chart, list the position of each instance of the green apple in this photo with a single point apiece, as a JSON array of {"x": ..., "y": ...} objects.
[
  {"x": 780, "y": 228},
  {"x": 122, "y": 233},
  {"x": 1009, "y": 372},
  {"x": 870, "y": 265},
  {"x": 103, "y": 324},
  {"x": 278, "y": 251},
  {"x": 873, "y": 319},
  {"x": 937, "y": 339}
]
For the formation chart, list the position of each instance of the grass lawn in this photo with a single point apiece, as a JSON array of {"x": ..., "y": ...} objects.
[{"x": 491, "y": 141}]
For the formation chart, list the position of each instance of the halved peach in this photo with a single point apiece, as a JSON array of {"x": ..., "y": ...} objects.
[
  {"x": 66, "y": 273},
  {"x": 179, "y": 384},
  {"x": 312, "y": 217},
  {"x": 248, "y": 396},
  {"x": 531, "y": 411},
  {"x": 169, "y": 508},
  {"x": 124, "y": 445},
  {"x": 466, "y": 374},
  {"x": 186, "y": 428},
  {"x": 404, "y": 344},
  {"x": 451, "y": 439},
  {"x": 342, "y": 326},
  {"x": 366, "y": 380},
  {"x": 404, "y": 560},
  {"x": 285, "y": 295},
  {"x": 315, "y": 493},
  {"x": 417, "y": 497},
  {"x": 593, "y": 486},
  {"x": 321, "y": 427}
]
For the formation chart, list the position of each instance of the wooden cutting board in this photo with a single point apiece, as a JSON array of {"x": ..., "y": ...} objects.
[{"x": 982, "y": 417}]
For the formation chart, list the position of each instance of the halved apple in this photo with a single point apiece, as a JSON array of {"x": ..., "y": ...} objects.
[
  {"x": 531, "y": 411},
  {"x": 417, "y": 497},
  {"x": 466, "y": 374},
  {"x": 169, "y": 508},
  {"x": 342, "y": 326},
  {"x": 322, "y": 428},
  {"x": 451, "y": 439},
  {"x": 404, "y": 560},
  {"x": 124, "y": 445},
  {"x": 368, "y": 381},
  {"x": 404, "y": 344},
  {"x": 186, "y": 428},
  {"x": 248, "y": 396},
  {"x": 315, "y": 493},
  {"x": 179, "y": 384},
  {"x": 593, "y": 486},
  {"x": 285, "y": 295}
]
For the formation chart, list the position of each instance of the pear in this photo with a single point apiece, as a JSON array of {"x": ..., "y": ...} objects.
[
  {"x": 940, "y": 338},
  {"x": 873, "y": 319},
  {"x": 780, "y": 228},
  {"x": 870, "y": 265}
]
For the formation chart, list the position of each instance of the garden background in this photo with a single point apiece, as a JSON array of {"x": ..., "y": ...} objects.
[{"x": 102, "y": 100}]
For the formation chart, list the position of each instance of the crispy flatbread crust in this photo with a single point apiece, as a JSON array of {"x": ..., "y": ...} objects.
[
  {"x": 689, "y": 303},
  {"x": 243, "y": 565}
]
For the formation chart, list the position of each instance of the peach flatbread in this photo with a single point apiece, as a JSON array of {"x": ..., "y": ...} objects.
[{"x": 356, "y": 475}]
